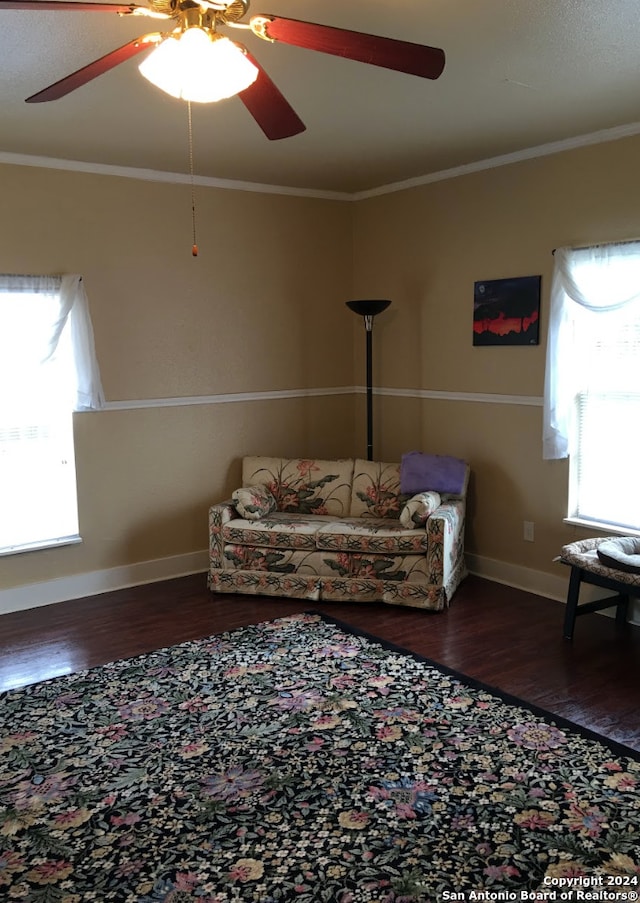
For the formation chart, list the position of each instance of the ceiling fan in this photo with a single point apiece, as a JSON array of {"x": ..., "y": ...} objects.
[{"x": 197, "y": 21}]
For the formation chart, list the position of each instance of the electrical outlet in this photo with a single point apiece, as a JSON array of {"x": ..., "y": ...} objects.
[{"x": 528, "y": 527}]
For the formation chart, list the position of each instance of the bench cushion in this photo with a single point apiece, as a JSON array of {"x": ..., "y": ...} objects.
[
  {"x": 584, "y": 554},
  {"x": 622, "y": 553}
]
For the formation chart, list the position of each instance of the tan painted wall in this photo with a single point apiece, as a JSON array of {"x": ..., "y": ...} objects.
[
  {"x": 425, "y": 248},
  {"x": 260, "y": 309}
]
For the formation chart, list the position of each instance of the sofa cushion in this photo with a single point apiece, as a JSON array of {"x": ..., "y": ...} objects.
[
  {"x": 417, "y": 511},
  {"x": 361, "y": 567},
  {"x": 302, "y": 485},
  {"x": 279, "y": 530},
  {"x": 260, "y": 558},
  {"x": 322, "y": 563},
  {"x": 420, "y": 472},
  {"x": 372, "y": 535},
  {"x": 253, "y": 502},
  {"x": 376, "y": 490}
]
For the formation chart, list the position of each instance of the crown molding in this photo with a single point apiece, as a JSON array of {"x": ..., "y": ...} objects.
[
  {"x": 152, "y": 175},
  {"x": 530, "y": 153},
  {"x": 173, "y": 178}
]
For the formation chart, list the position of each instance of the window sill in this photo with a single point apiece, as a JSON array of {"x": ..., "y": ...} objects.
[
  {"x": 601, "y": 526},
  {"x": 38, "y": 546}
]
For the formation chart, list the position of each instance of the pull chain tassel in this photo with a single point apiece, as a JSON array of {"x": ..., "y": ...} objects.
[{"x": 194, "y": 247}]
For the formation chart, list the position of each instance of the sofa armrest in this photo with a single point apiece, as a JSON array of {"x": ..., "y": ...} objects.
[
  {"x": 219, "y": 515},
  {"x": 445, "y": 549}
]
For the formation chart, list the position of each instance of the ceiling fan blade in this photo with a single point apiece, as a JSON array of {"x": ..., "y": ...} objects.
[
  {"x": 93, "y": 70},
  {"x": 71, "y": 5},
  {"x": 273, "y": 113},
  {"x": 403, "y": 56}
]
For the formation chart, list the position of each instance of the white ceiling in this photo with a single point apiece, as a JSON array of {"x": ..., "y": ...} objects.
[{"x": 519, "y": 73}]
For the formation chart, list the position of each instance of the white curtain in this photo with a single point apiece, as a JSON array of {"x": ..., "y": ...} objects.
[
  {"x": 70, "y": 306},
  {"x": 587, "y": 282}
]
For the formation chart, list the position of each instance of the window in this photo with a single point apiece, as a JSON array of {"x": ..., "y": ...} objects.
[
  {"x": 47, "y": 370},
  {"x": 592, "y": 387}
]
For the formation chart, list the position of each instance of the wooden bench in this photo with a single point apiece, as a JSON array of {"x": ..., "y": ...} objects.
[{"x": 586, "y": 567}]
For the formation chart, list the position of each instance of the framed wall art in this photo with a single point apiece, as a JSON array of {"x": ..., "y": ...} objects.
[{"x": 507, "y": 311}]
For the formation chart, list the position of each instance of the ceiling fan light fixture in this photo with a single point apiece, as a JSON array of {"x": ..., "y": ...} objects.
[{"x": 199, "y": 65}]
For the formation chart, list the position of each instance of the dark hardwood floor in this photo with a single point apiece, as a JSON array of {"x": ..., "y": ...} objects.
[{"x": 504, "y": 637}]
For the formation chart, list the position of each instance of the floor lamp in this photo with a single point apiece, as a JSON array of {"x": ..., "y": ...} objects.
[{"x": 368, "y": 310}]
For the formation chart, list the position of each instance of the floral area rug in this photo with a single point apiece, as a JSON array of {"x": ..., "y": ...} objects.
[{"x": 296, "y": 760}]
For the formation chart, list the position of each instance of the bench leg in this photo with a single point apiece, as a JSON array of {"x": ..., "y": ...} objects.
[
  {"x": 572, "y": 602},
  {"x": 621, "y": 610},
  {"x": 621, "y": 602}
]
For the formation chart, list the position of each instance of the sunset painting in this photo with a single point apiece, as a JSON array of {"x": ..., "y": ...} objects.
[{"x": 507, "y": 311}]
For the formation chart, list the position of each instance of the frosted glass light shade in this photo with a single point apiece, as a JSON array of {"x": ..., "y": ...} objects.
[{"x": 199, "y": 65}]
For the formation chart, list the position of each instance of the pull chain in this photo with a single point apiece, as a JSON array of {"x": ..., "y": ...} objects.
[{"x": 194, "y": 247}]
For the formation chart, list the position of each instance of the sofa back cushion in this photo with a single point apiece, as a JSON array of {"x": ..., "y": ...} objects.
[
  {"x": 376, "y": 490},
  {"x": 303, "y": 485}
]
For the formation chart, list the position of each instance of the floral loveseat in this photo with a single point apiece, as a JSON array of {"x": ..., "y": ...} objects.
[{"x": 337, "y": 530}]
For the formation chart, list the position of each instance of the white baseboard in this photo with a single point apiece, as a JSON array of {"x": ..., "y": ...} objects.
[
  {"x": 542, "y": 584},
  {"x": 538, "y": 582},
  {"x": 48, "y": 592}
]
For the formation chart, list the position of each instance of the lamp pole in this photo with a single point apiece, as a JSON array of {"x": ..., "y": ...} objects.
[{"x": 368, "y": 310}]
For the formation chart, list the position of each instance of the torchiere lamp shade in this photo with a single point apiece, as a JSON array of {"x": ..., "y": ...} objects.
[{"x": 368, "y": 309}]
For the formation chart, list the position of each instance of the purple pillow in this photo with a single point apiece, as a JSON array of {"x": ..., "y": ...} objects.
[{"x": 420, "y": 472}]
